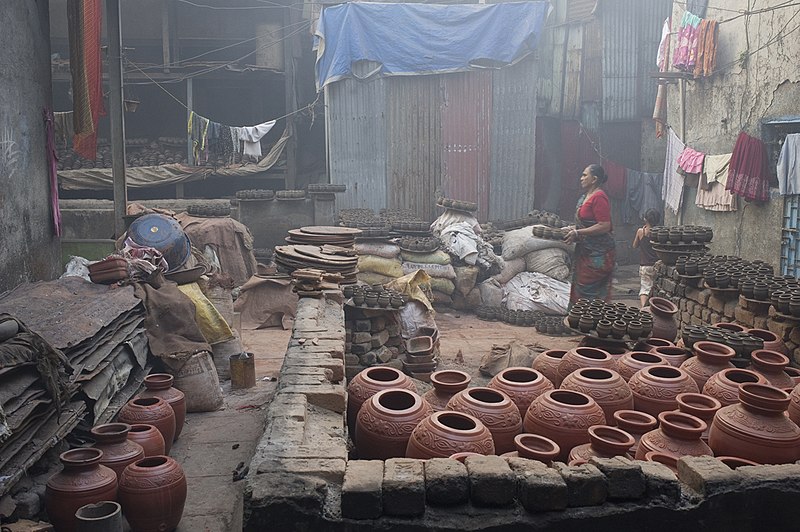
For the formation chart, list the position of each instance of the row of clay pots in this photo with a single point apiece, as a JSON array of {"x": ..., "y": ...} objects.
[{"x": 681, "y": 234}]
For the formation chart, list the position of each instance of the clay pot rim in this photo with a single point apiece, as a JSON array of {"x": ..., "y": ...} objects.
[
  {"x": 735, "y": 327},
  {"x": 663, "y": 305},
  {"x": 764, "y": 334},
  {"x": 97, "y": 511},
  {"x": 81, "y": 456},
  {"x": 159, "y": 381},
  {"x": 611, "y": 436},
  {"x": 657, "y": 342},
  {"x": 714, "y": 350},
  {"x": 559, "y": 396},
  {"x": 666, "y": 371},
  {"x": 638, "y": 355},
  {"x": 526, "y": 443},
  {"x": 552, "y": 353},
  {"x": 645, "y": 420},
  {"x": 474, "y": 396},
  {"x": 477, "y": 426},
  {"x": 503, "y": 376},
  {"x": 735, "y": 462},
  {"x": 150, "y": 462},
  {"x": 441, "y": 380},
  {"x": 792, "y": 371},
  {"x": 770, "y": 359},
  {"x": 596, "y": 374},
  {"x": 698, "y": 402},
  {"x": 374, "y": 375},
  {"x": 141, "y": 402},
  {"x": 662, "y": 458},
  {"x": 726, "y": 373},
  {"x": 592, "y": 353},
  {"x": 462, "y": 455},
  {"x": 378, "y": 400},
  {"x": 676, "y": 351},
  {"x": 111, "y": 431},
  {"x": 140, "y": 428},
  {"x": 763, "y": 397},
  {"x": 681, "y": 425}
]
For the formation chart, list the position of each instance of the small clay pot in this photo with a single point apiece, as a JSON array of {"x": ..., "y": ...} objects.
[
  {"x": 724, "y": 385},
  {"x": 770, "y": 339},
  {"x": 771, "y": 365},
  {"x": 152, "y": 411},
  {"x": 536, "y": 447},
  {"x": 385, "y": 422},
  {"x": 118, "y": 451},
  {"x": 494, "y": 408},
  {"x": 446, "y": 383},
  {"x": 148, "y": 437},
  {"x": 636, "y": 424},
  {"x": 603, "y": 328},
  {"x": 678, "y": 435},
  {"x": 604, "y": 442},
  {"x": 443, "y": 434},
  {"x": 710, "y": 358},
  {"x": 160, "y": 385},
  {"x": 583, "y": 357},
  {"x": 586, "y": 323},
  {"x": 700, "y": 406},
  {"x": 618, "y": 329},
  {"x": 635, "y": 329}
]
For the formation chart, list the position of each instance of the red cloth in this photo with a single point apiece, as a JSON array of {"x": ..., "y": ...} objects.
[
  {"x": 615, "y": 186},
  {"x": 596, "y": 208},
  {"x": 748, "y": 172}
]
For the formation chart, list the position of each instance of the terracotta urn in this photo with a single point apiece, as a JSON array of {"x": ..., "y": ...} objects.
[
  {"x": 160, "y": 385},
  {"x": 648, "y": 344},
  {"x": 636, "y": 424},
  {"x": 678, "y": 435},
  {"x": 724, "y": 386},
  {"x": 604, "y": 442},
  {"x": 152, "y": 411},
  {"x": 152, "y": 492},
  {"x": 665, "y": 459},
  {"x": 656, "y": 388},
  {"x": 794, "y": 405},
  {"x": 148, "y": 437},
  {"x": 84, "y": 480},
  {"x": 673, "y": 354},
  {"x": 495, "y": 409},
  {"x": 605, "y": 386},
  {"x": 757, "y": 427},
  {"x": 118, "y": 451},
  {"x": 583, "y": 357},
  {"x": 664, "y": 325},
  {"x": 385, "y": 422},
  {"x": 563, "y": 416},
  {"x": 547, "y": 364},
  {"x": 710, "y": 358},
  {"x": 700, "y": 406},
  {"x": 521, "y": 385},
  {"x": 793, "y": 374},
  {"x": 369, "y": 382},
  {"x": 771, "y": 366},
  {"x": 446, "y": 433},
  {"x": 633, "y": 361},
  {"x": 535, "y": 447},
  {"x": 446, "y": 383},
  {"x": 771, "y": 341}
]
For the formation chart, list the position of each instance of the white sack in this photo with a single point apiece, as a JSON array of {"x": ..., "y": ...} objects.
[
  {"x": 536, "y": 291},
  {"x": 520, "y": 242}
]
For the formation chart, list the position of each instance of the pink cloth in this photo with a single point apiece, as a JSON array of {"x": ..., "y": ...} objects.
[{"x": 691, "y": 161}]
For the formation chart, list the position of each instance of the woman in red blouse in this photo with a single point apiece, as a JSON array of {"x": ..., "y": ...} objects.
[{"x": 593, "y": 264}]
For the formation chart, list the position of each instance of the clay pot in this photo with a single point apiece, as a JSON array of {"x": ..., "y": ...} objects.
[
  {"x": 648, "y": 344},
  {"x": 563, "y": 416},
  {"x": 583, "y": 357},
  {"x": 603, "y": 328},
  {"x": 495, "y": 410},
  {"x": 734, "y": 462},
  {"x": 771, "y": 340},
  {"x": 656, "y": 388},
  {"x": 710, "y": 358},
  {"x": 462, "y": 457},
  {"x": 84, "y": 480},
  {"x": 152, "y": 492},
  {"x": 733, "y": 327},
  {"x": 794, "y": 405},
  {"x": 148, "y": 437},
  {"x": 443, "y": 434},
  {"x": 160, "y": 385},
  {"x": 104, "y": 516},
  {"x": 636, "y": 424},
  {"x": 605, "y": 386},
  {"x": 586, "y": 323},
  {"x": 674, "y": 355},
  {"x": 664, "y": 459},
  {"x": 521, "y": 385},
  {"x": 118, "y": 451},
  {"x": 633, "y": 361},
  {"x": 700, "y": 406},
  {"x": 678, "y": 435},
  {"x": 547, "y": 364},
  {"x": 793, "y": 373},
  {"x": 771, "y": 365},
  {"x": 663, "y": 311},
  {"x": 369, "y": 382},
  {"x": 152, "y": 411},
  {"x": 536, "y": 447},
  {"x": 618, "y": 329},
  {"x": 385, "y": 422},
  {"x": 604, "y": 442},
  {"x": 724, "y": 386},
  {"x": 446, "y": 383},
  {"x": 757, "y": 427}
]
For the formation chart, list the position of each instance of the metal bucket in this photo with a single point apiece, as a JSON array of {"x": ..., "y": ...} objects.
[{"x": 243, "y": 370}]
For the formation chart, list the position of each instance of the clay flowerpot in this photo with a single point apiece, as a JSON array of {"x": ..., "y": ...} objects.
[
  {"x": 663, "y": 311},
  {"x": 678, "y": 435},
  {"x": 369, "y": 382},
  {"x": 84, "y": 480},
  {"x": 385, "y": 422},
  {"x": 118, "y": 451},
  {"x": 636, "y": 424},
  {"x": 674, "y": 355},
  {"x": 604, "y": 442},
  {"x": 446, "y": 383},
  {"x": 586, "y": 323},
  {"x": 618, "y": 329},
  {"x": 148, "y": 437},
  {"x": 757, "y": 427},
  {"x": 563, "y": 416},
  {"x": 771, "y": 365},
  {"x": 605, "y": 386},
  {"x": 443, "y": 434},
  {"x": 700, "y": 406},
  {"x": 521, "y": 385},
  {"x": 710, "y": 358},
  {"x": 656, "y": 388},
  {"x": 724, "y": 386},
  {"x": 583, "y": 357},
  {"x": 771, "y": 340},
  {"x": 547, "y": 364},
  {"x": 152, "y": 411},
  {"x": 152, "y": 492},
  {"x": 160, "y": 385},
  {"x": 495, "y": 409},
  {"x": 633, "y": 361},
  {"x": 536, "y": 447}
]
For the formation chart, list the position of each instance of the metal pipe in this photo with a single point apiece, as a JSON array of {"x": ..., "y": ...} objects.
[{"x": 116, "y": 115}]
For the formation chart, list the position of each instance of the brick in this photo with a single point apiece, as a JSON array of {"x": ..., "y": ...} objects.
[
  {"x": 696, "y": 321},
  {"x": 362, "y": 338},
  {"x": 782, "y": 329},
  {"x": 330, "y": 470},
  {"x": 586, "y": 485},
  {"x": 669, "y": 286},
  {"x": 698, "y": 312},
  {"x": 539, "y": 488},
  {"x": 394, "y": 329},
  {"x": 333, "y": 348},
  {"x": 348, "y": 336},
  {"x": 783, "y": 477},
  {"x": 705, "y": 314},
  {"x": 714, "y": 318},
  {"x": 384, "y": 354},
  {"x": 309, "y": 371},
  {"x": 394, "y": 363},
  {"x": 378, "y": 323},
  {"x": 685, "y": 317},
  {"x": 352, "y": 371},
  {"x": 394, "y": 341},
  {"x": 661, "y": 482},
  {"x": 362, "y": 496},
  {"x": 351, "y": 360},
  {"x": 446, "y": 482},
  {"x": 704, "y": 296},
  {"x": 706, "y": 475},
  {"x": 335, "y": 365},
  {"x": 404, "y": 487},
  {"x": 796, "y": 356},
  {"x": 716, "y": 304},
  {"x": 362, "y": 326},
  {"x": 794, "y": 336},
  {"x": 368, "y": 359},
  {"x": 730, "y": 308},
  {"x": 693, "y": 294},
  {"x": 304, "y": 377},
  {"x": 360, "y": 349},
  {"x": 380, "y": 338},
  {"x": 625, "y": 478},
  {"x": 491, "y": 481},
  {"x": 330, "y": 396},
  {"x": 683, "y": 305}
]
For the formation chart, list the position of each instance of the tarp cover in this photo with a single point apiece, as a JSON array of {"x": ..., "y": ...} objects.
[{"x": 413, "y": 39}]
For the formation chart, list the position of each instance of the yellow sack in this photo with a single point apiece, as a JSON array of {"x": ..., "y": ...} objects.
[
  {"x": 373, "y": 278},
  {"x": 375, "y": 264},
  {"x": 440, "y": 284},
  {"x": 209, "y": 320}
]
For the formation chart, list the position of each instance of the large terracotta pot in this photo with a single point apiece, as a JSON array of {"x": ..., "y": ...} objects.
[
  {"x": 604, "y": 442},
  {"x": 633, "y": 361},
  {"x": 757, "y": 427},
  {"x": 636, "y": 424},
  {"x": 700, "y": 406},
  {"x": 678, "y": 435},
  {"x": 656, "y": 388},
  {"x": 672, "y": 353},
  {"x": 521, "y": 385},
  {"x": 793, "y": 374},
  {"x": 664, "y": 325},
  {"x": 152, "y": 492},
  {"x": 84, "y": 480},
  {"x": 616, "y": 352},
  {"x": 446, "y": 383},
  {"x": 563, "y": 416},
  {"x": 648, "y": 344},
  {"x": 160, "y": 385},
  {"x": 771, "y": 341},
  {"x": 605, "y": 386},
  {"x": 152, "y": 411},
  {"x": 710, "y": 358},
  {"x": 535, "y": 447},
  {"x": 446, "y": 433},
  {"x": 369, "y": 382},
  {"x": 118, "y": 450},
  {"x": 794, "y": 405},
  {"x": 583, "y": 357},
  {"x": 771, "y": 366},
  {"x": 724, "y": 386},
  {"x": 148, "y": 437},
  {"x": 385, "y": 423},
  {"x": 547, "y": 364},
  {"x": 495, "y": 409}
]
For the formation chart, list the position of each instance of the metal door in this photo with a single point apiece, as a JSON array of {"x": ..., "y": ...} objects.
[{"x": 790, "y": 243}]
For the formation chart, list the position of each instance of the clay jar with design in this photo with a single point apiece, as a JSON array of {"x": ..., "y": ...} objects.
[
  {"x": 700, "y": 406},
  {"x": 84, "y": 480},
  {"x": 794, "y": 405},
  {"x": 710, "y": 358},
  {"x": 547, "y": 364},
  {"x": 521, "y": 385},
  {"x": 771, "y": 366},
  {"x": 152, "y": 411},
  {"x": 534, "y": 447},
  {"x": 663, "y": 311},
  {"x": 385, "y": 422},
  {"x": 633, "y": 361},
  {"x": 605, "y": 386},
  {"x": 118, "y": 450},
  {"x": 636, "y": 424},
  {"x": 583, "y": 357},
  {"x": 160, "y": 385},
  {"x": 446, "y": 383},
  {"x": 656, "y": 388},
  {"x": 673, "y": 354},
  {"x": 152, "y": 492},
  {"x": 495, "y": 410},
  {"x": 563, "y": 416},
  {"x": 148, "y": 437},
  {"x": 724, "y": 386},
  {"x": 369, "y": 382},
  {"x": 771, "y": 340},
  {"x": 604, "y": 442},
  {"x": 446, "y": 433},
  {"x": 757, "y": 427},
  {"x": 678, "y": 435}
]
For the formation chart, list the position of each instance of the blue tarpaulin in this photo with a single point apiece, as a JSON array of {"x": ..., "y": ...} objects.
[{"x": 414, "y": 39}]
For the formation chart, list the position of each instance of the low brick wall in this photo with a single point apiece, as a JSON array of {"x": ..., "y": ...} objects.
[{"x": 301, "y": 479}]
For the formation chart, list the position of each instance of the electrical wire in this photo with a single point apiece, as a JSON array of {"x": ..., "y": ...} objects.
[
  {"x": 269, "y": 5},
  {"x": 748, "y": 53}
]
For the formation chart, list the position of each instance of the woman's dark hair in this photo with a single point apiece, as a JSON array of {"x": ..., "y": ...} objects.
[
  {"x": 598, "y": 171},
  {"x": 652, "y": 216}
]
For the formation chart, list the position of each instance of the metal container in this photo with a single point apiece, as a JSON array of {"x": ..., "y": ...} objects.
[
  {"x": 243, "y": 371},
  {"x": 164, "y": 234}
]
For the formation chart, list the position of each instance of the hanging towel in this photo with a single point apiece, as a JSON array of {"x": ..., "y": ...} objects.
[
  {"x": 788, "y": 168},
  {"x": 715, "y": 168},
  {"x": 748, "y": 173},
  {"x": 691, "y": 161},
  {"x": 662, "y": 60},
  {"x": 686, "y": 51},
  {"x": 706, "y": 49},
  {"x": 672, "y": 189},
  {"x": 251, "y": 136},
  {"x": 711, "y": 193}
]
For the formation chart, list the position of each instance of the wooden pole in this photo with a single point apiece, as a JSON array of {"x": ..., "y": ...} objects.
[{"x": 116, "y": 116}]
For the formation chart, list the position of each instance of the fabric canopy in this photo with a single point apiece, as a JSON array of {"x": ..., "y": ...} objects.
[{"x": 414, "y": 39}]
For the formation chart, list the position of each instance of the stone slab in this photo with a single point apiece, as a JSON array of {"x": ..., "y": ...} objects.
[
  {"x": 586, "y": 485},
  {"x": 403, "y": 487},
  {"x": 492, "y": 483},
  {"x": 446, "y": 482},
  {"x": 362, "y": 490},
  {"x": 539, "y": 488},
  {"x": 706, "y": 475},
  {"x": 625, "y": 478},
  {"x": 330, "y": 396}
]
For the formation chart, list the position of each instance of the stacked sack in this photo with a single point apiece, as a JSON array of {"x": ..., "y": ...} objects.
[
  {"x": 378, "y": 262},
  {"x": 438, "y": 265}
]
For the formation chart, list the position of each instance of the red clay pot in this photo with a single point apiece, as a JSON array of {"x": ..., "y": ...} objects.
[
  {"x": 664, "y": 459},
  {"x": 794, "y": 405},
  {"x": 678, "y": 435},
  {"x": 152, "y": 492},
  {"x": 583, "y": 357},
  {"x": 535, "y": 447},
  {"x": 547, "y": 364},
  {"x": 673, "y": 354},
  {"x": 633, "y": 361},
  {"x": 664, "y": 325},
  {"x": 153, "y": 411},
  {"x": 771, "y": 341},
  {"x": 649, "y": 343},
  {"x": 734, "y": 462},
  {"x": 700, "y": 406},
  {"x": 160, "y": 385},
  {"x": 724, "y": 386},
  {"x": 793, "y": 373},
  {"x": 118, "y": 451},
  {"x": 656, "y": 388},
  {"x": 446, "y": 383},
  {"x": 385, "y": 422},
  {"x": 521, "y": 385},
  {"x": 605, "y": 386},
  {"x": 369, "y": 382},
  {"x": 444, "y": 434},
  {"x": 710, "y": 358},
  {"x": 771, "y": 366},
  {"x": 148, "y": 437},
  {"x": 604, "y": 442},
  {"x": 636, "y": 424},
  {"x": 462, "y": 457},
  {"x": 734, "y": 327},
  {"x": 495, "y": 409}
]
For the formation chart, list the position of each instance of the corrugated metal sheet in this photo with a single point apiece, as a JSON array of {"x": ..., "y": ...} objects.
[
  {"x": 592, "y": 82},
  {"x": 652, "y": 21},
  {"x": 571, "y": 96},
  {"x": 620, "y": 59},
  {"x": 578, "y": 10}
]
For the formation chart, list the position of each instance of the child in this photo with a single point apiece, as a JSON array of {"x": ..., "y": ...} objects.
[{"x": 647, "y": 257}]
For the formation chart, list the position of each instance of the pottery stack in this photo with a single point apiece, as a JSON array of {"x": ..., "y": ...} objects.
[{"x": 372, "y": 338}]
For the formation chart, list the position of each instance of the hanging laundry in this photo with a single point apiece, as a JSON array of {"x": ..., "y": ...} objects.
[
  {"x": 643, "y": 194},
  {"x": 662, "y": 60},
  {"x": 691, "y": 161},
  {"x": 615, "y": 185},
  {"x": 711, "y": 193},
  {"x": 52, "y": 167},
  {"x": 748, "y": 174},
  {"x": 686, "y": 51},
  {"x": 788, "y": 168},
  {"x": 251, "y": 136},
  {"x": 672, "y": 188},
  {"x": 706, "y": 48},
  {"x": 198, "y": 131}
]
